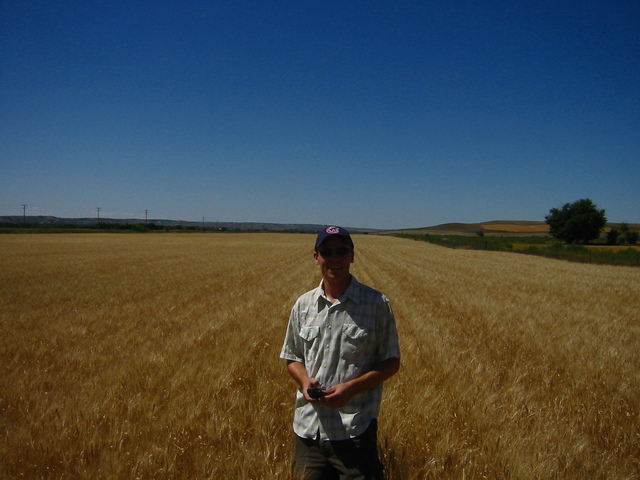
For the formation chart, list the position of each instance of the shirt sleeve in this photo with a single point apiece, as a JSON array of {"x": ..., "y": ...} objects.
[
  {"x": 292, "y": 347},
  {"x": 387, "y": 333}
]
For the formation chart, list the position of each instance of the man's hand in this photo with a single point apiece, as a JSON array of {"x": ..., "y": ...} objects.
[
  {"x": 298, "y": 372},
  {"x": 338, "y": 396},
  {"x": 310, "y": 383}
]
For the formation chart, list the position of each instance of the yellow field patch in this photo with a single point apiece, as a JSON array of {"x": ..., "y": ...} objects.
[{"x": 507, "y": 227}]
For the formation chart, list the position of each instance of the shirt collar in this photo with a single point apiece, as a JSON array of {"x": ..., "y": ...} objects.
[{"x": 352, "y": 293}]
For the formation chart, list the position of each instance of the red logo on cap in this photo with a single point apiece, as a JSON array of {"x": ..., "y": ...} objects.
[{"x": 332, "y": 230}]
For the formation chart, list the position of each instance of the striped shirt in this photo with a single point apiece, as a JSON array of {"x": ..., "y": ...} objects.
[{"x": 336, "y": 343}]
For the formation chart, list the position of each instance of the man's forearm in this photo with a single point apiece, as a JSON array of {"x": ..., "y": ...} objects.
[
  {"x": 381, "y": 372},
  {"x": 298, "y": 372}
]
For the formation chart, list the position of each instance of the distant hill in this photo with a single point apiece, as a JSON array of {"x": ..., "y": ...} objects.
[
  {"x": 495, "y": 227},
  {"x": 51, "y": 221},
  {"x": 491, "y": 228}
]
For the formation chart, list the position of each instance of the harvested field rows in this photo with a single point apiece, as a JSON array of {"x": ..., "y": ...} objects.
[{"x": 156, "y": 356}]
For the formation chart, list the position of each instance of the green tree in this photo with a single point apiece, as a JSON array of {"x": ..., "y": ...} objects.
[
  {"x": 578, "y": 222},
  {"x": 612, "y": 236},
  {"x": 632, "y": 237},
  {"x": 627, "y": 235}
]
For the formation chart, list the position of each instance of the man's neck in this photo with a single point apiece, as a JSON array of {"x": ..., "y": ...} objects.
[{"x": 334, "y": 289}]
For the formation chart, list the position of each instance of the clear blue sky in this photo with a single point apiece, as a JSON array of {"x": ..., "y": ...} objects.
[{"x": 379, "y": 114}]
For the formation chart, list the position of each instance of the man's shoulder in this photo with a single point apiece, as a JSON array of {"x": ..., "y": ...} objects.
[
  {"x": 366, "y": 291},
  {"x": 309, "y": 296},
  {"x": 367, "y": 288}
]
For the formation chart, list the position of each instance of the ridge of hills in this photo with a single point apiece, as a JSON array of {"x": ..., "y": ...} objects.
[
  {"x": 492, "y": 228},
  {"x": 52, "y": 221},
  {"x": 496, "y": 228}
]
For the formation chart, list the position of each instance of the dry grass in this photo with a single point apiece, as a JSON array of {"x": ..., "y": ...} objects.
[{"x": 156, "y": 356}]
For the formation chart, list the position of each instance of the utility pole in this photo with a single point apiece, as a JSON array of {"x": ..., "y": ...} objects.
[
  {"x": 99, "y": 208},
  {"x": 146, "y": 213},
  {"x": 24, "y": 213}
]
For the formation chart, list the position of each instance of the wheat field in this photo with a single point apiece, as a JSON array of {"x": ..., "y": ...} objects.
[{"x": 155, "y": 356}]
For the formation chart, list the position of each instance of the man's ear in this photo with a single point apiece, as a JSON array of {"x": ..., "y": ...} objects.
[{"x": 316, "y": 256}]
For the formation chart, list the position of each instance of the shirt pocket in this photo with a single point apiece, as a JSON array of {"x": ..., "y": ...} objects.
[
  {"x": 309, "y": 334},
  {"x": 354, "y": 343}
]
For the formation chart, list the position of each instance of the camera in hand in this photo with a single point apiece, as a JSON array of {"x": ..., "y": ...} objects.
[{"x": 315, "y": 392}]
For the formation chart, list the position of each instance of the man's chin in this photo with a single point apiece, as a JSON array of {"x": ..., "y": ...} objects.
[{"x": 336, "y": 273}]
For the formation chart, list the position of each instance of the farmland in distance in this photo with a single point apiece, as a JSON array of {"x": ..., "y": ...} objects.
[{"x": 156, "y": 356}]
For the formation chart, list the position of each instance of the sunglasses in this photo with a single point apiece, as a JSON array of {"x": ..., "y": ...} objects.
[{"x": 329, "y": 252}]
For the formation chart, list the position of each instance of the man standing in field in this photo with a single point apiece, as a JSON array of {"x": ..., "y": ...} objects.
[{"x": 341, "y": 345}]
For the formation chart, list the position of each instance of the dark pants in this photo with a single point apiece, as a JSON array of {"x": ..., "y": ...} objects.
[{"x": 354, "y": 459}]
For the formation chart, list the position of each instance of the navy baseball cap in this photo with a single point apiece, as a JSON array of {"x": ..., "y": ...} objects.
[{"x": 333, "y": 230}]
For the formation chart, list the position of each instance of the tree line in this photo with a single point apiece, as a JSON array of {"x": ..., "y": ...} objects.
[{"x": 581, "y": 222}]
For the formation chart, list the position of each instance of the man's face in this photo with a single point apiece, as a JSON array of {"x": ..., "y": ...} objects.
[{"x": 334, "y": 257}]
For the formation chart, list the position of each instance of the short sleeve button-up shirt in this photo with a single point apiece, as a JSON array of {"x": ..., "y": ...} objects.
[{"x": 337, "y": 342}]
